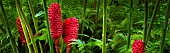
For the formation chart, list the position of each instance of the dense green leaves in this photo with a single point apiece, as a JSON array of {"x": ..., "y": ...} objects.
[{"x": 91, "y": 40}]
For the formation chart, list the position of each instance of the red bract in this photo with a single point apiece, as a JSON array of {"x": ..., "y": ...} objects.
[
  {"x": 55, "y": 19},
  {"x": 70, "y": 27},
  {"x": 138, "y": 47},
  {"x": 20, "y": 30}
]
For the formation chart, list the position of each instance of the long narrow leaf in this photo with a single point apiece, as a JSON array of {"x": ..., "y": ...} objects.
[
  {"x": 84, "y": 15},
  {"x": 152, "y": 20},
  {"x": 35, "y": 21}
]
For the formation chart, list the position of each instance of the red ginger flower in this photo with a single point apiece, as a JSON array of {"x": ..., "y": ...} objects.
[
  {"x": 70, "y": 33},
  {"x": 20, "y": 31},
  {"x": 70, "y": 27},
  {"x": 138, "y": 47},
  {"x": 55, "y": 19}
]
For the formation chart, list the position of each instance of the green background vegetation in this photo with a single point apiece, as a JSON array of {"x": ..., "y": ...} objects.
[{"x": 90, "y": 41}]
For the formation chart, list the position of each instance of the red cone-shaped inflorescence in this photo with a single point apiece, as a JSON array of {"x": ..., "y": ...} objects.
[
  {"x": 20, "y": 30},
  {"x": 138, "y": 47},
  {"x": 70, "y": 27},
  {"x": 55, "y": 19}
]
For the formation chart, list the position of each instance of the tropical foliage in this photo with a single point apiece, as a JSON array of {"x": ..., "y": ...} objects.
[{"x": 91, "y": 25}]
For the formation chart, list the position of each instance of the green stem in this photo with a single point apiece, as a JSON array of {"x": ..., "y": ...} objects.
[
  {"x": 104, "y": 28},
  {"x": 62, "y": 44},
  {"x": 145, "y": 20},
  {"x": 165, "y": 27},
  {"x": 51, "y": 1},
  {"x": 26, "y": 35},
  {"x": 61, "y": 39},
  {"x": 5, "y": 20},
  {"x": 48, "y": 27},
  {"x": 25, "y": 32},
  {"x": 84, "y": 15},
  {"x": 19, "y": 7},
  {"x": 35, "y": 20},
  {"x": 61, "y": 3},
  {"x": 129, "y": 26},
  {"x": 152, "y": 20},
  {"x": 97, "y": 16},
  {"x": 41, "y": 47}
]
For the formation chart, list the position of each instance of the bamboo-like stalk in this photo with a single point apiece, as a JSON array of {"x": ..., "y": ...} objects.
[
  {"x": 19, "y": 7},
  {"x": 165, "y": 27},
  {"x": 84, "y": 15},
  {"x": 97, "y": 16},
  {"x": 129, "y": 25},
  {"x": 145, "y": 21},
  {"x": 35, "y": 21},
  {"x": 104, "y": 28},
  {"x": 98, "y": 4},
  {"x": 48, "y": 27},
  {"x": 25, "y": 33},
  {"x": 152, "y": 20},
  {"x": 5, "y": 20}
]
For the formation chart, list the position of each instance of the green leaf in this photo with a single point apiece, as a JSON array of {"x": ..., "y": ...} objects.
[
  {"x": 81, "y": 44},
  {"x": 43, "y": 36},
  {"x": 83, "y": 35},
  {"x": 39, "y": 13}
]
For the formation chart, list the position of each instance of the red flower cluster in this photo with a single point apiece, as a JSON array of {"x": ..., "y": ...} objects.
[
  {"x": 20, "y": 31},
  {"x": 138, "y": 47},
  {"x": 70, "y": 27},
  {"x": 55, "y": 19}
]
